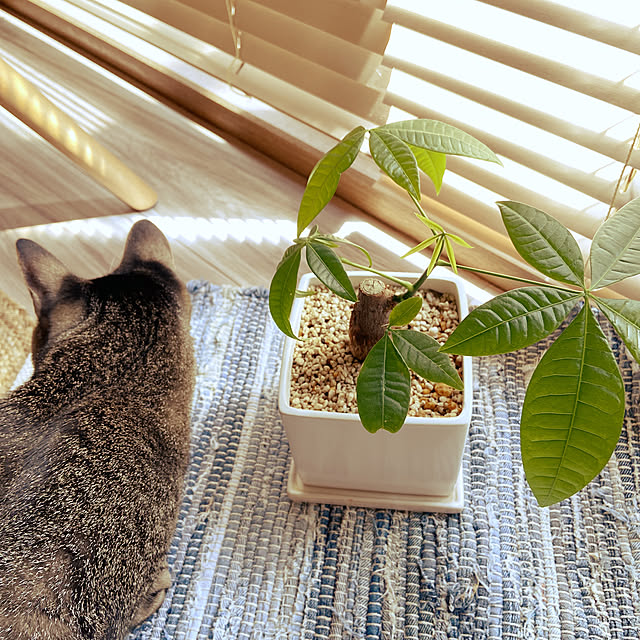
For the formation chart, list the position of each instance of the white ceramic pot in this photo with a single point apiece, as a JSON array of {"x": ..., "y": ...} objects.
[{"x": 335, "y": 460}]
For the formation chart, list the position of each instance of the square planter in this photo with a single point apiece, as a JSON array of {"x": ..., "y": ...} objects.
[{"x": 335, "y": 460}]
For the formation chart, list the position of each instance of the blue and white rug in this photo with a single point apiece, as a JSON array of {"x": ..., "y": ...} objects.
[{"x": 249, "y": 564}]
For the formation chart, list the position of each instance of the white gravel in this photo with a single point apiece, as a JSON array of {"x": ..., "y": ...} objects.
[{"x": 324, "y": 372}]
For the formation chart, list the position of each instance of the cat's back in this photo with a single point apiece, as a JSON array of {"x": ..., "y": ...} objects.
[
  {"x": 93, "y": 451},
  {"x": 86, "y": 516}
]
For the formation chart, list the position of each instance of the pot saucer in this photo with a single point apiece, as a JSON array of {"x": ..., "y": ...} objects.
[{"x": 299, "y": 492}]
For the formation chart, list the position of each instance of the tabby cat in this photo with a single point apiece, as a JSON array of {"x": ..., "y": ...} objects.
[{"x": 94, "y": 446}]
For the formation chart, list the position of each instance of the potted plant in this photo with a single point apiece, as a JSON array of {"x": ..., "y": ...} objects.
[
  {"x": 575, "y": 390},
  {"x": 335, "y": 459}
]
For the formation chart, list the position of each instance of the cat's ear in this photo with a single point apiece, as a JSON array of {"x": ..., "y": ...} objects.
[
  {"x": 146, "y": 242},
  {"x": 43, "y": 273}
]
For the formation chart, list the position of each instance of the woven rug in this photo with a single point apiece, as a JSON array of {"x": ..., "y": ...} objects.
[
  {"x": 249, "y": 564},
  {"x": 16, "y": 326}
]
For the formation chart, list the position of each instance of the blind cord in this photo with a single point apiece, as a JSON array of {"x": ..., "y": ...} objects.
[
  {"x": 234, "y": 68},
  {"x": 630, "y": 177}
]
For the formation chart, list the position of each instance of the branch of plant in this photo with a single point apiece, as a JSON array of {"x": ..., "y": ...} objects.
[
  {"x": 418, "y": 205},
  {"x": 421, "y": 280},
  {"x": 495, "y": 274},
  {"x": 412, "y": 288},
  {"x": 411, "y": 291}
]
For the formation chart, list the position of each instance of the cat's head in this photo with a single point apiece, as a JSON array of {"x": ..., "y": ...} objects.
[{"x": 63, "y": 300}]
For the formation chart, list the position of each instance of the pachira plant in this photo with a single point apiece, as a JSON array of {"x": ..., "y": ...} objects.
[
  {"x": 574, "y": 405},
  {"x": 376, "y": 335}
]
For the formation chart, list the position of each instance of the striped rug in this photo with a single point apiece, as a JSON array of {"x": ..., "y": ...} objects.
[{"x": 249, "y": 564}]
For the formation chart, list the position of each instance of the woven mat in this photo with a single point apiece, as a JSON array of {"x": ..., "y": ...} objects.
[
  {"x": 16, "y": 326},
  {"x": 249, "y": 564}
]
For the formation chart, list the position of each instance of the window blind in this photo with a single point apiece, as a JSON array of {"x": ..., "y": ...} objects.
[
  {"x": 552, "y": 86},
  {"x": 300, "y": 57},
  {"x": 335, "y": 60},
  {"x": 551, "y": 89}
]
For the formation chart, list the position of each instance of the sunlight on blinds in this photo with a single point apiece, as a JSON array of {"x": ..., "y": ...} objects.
[
  {"x": 562, "y": 141},
  {"x": 276, "y": 50},
  {"x": 502, "y": 80},
  {"x": 494, "y": 122},
  {"x": 453, "y": 107},
  {"x": 552, "y": 86},
  {"x": 624, "y": 12},
  {"x": 529, "y": 35}
]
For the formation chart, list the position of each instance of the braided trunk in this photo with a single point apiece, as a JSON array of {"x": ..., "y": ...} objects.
[{"x": 370, "y": 316}]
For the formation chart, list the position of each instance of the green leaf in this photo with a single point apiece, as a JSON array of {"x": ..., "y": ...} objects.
[
  {"x": 323, "y": 181},
  {"x": 422, "y": 355},
  {"x": 283, "y": 289},
  {"x": 543, "y": 242},
  {"x": 438, "y": 136},
  {"x": 459, "y": 241},
  {"x": 615, "y": 250},
  {"x": 332, "y": 240},
  {"x": 434, "y": 226},
  {"x": 450, "y": 254},
  {"x": 305, "y": 294},
  {"x": 511, "y": 321},
  {"x": 321, "y": 240},
  {"x": 433, "y": 164},
  {"x": 383, "y": 388},
  {"x": 420, "y": 247},
  {"x": 404, "y": 312},
  {"x": 624, "y": 315},
  {"x": 572, "y": 413},
  {"x": 435, "y": 256},
  {"x": 326, "y": 264},
  {"x": 395, "y": 158}
]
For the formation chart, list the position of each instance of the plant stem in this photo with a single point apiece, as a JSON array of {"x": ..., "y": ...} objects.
[
  {"x": 411, "y": 290},
  {"x": 417, "y": 203},
  {"x": 415, "y": 286},
  {"x": 495, "y": 274},
  {"x": 446, "y": 263},
  {"x": 402, "y": 283},
  {"x": 626, "y": 164}
]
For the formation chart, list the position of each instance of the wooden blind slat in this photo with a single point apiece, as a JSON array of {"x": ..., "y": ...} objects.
[
  {"x": 359, "y": 96},
  {"x": 598, "y": 142},
  {"x": 359, "y": 24},
  {"x": 614, "y": 93},
  {"x": 575, "y": 21},
  {"x": 207, "y": 21}
]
